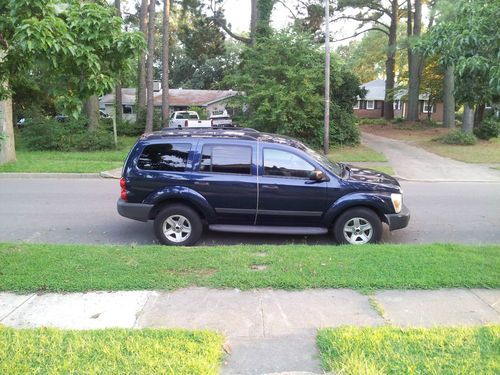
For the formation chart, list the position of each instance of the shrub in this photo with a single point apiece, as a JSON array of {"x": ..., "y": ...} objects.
[
  {"x": 398, "y": 120},
  {"x": 458, "y": 137},
  {"x": 344, "y": 129},
  {"x": 372, "y": 121},
  {"x": 489, "y": 128},
  {"x": 72, "y": 135}
]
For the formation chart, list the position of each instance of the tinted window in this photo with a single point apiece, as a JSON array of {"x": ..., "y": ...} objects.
[
  {"x": 226, "y": 159},
  {"x": 165, "y": 157},
  {"x": 285, "y": 164}
]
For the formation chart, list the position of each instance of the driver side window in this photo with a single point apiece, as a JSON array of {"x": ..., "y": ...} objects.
[{"x": 280, "y": 163}]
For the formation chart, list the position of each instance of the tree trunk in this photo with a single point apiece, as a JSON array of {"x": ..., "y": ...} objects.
[
  {"x": 141, "y": 69},
  {"x": 414, "y": 67},
  {"x": 390, "y": 63},
  {"x": 7, "y": 144},
  {"x": 449, "y": 98},
  {"x": 149, "y": 69},
  {"x": 165, "y": 105},
  {"x": 91, "y": 110},
  {"x": 254, "y": 16},
  {"x": 118, "y": 88},
  {"x": 468, "y": 123},
  {"x": 478, "y": 115}
]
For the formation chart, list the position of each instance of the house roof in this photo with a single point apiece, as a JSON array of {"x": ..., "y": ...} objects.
[
  {"x": 177, "y": 97},
  {"x": 376, "y": 91}
]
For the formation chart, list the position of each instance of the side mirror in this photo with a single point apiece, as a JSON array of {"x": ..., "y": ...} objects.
[{"x": 317, "y": 175}]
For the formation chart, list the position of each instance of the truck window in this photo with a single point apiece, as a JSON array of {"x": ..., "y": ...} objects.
[
  {"x": 226, "y": 159},
  {"x": 285, "y": 164},
  {"x": 165, "y": 157}
]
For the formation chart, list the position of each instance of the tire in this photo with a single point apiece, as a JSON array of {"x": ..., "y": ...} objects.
[
  {"x": 364, "y": 225},
  {"x": 178, "y": 225}
]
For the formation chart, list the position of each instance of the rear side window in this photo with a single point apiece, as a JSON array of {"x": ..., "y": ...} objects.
[
  {"x": 226, "y": 159},
  {"x": 285, "y": 164},
  {"x": 165, "y": 157}
]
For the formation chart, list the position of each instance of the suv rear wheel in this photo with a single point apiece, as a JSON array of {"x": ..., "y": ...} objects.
[
  {"x": 178, "y": 225},
  {"x": 358, "y": 226}
]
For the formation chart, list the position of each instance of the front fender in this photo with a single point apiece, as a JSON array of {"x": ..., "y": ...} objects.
[
  {"x": 379, "y": 202},
  {"x": 184, "y": 194}
]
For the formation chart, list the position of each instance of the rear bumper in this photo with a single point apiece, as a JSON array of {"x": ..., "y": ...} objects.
[
  {"x": 398, "y": 221},
  {"x": 136, "y": 211}
]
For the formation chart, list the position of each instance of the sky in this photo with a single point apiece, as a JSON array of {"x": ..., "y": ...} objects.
[{"x": 237, "y": 13}]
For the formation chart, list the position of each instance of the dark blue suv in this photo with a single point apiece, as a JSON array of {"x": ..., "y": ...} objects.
[{"x": 252, "y": 182}]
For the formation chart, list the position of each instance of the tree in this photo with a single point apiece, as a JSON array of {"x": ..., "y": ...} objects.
[
  {"x": 414, "y": 60},
  {"x": 82, "y": 45},
  {"x": 118, "y": 87},
  {"x": 465, "y": 37},
  {"x": 282, "y": 92},
  {"x": 374, "y": 13},
  {"x": 141, "y": 67},
  {"x": 149, "y": 68},
  {"x": 165, "y": 105}
]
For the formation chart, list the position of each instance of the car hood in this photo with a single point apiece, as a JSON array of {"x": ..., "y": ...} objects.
[{"x": 370, "y": 176}]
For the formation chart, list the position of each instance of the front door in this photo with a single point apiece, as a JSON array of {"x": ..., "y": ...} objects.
[
  {"x": 227, "y": 179},
  {"x": 287, "y": 197}
]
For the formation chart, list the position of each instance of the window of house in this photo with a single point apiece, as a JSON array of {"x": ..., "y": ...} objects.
[
  {"x": 356, "y": 106},
  {"x": 226, "y": 159},
  {"x": 285, "y": 164},
  {"x": 397, "y": 104},
  {"x": 128, "y": 109},
  {"x": 370, "y": 104},
  {"x": 165, "y": 157},
  {"x": 426, "y": 107}
]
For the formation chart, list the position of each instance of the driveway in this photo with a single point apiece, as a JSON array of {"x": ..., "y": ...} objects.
[
  {"x": 84, "y": 211},
  {"x": 416, "y": 164}
]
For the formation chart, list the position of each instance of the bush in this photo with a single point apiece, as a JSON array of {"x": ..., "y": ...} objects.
[
  {"x": 458, "y": 137},
  {"x": 489, "y": 128},
  {"x": 124, "y": 128},
  {"x": 344, "y": 129},
  {"x": 398, "y": 120},
  {"x": 72, "y": 135},
  {"x": 372, "y": 121}
]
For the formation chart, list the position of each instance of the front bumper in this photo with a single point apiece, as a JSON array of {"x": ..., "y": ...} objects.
[
  {"x": 398, "y": 221},
  {"x": 136, "y": 211}
]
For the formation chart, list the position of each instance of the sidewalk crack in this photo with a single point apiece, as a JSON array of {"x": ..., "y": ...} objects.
[
  {"x": 17, "y": 307},
  {"x": 485, "y": 302},
  {"x": 262, "y": 316},
  {"x": 139, "y": 312}
]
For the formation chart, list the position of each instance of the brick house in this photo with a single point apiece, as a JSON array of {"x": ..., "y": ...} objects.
[{"x": 372, "y": 105}]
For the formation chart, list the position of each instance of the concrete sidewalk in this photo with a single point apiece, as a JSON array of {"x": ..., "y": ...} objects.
[
  {"x": 416, "y": 164},
  {"x": 269, "y": 331}
]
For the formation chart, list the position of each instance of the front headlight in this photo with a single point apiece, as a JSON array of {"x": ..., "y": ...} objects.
[{"x": 397, "y": 202}]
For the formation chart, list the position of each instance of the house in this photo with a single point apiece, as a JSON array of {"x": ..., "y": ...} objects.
[
  {"x": 213, "y": 101},
  {"x": 372, "y": 105}
]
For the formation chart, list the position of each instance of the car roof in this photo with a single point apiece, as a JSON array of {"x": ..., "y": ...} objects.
[{"x": 247, "y": 134}]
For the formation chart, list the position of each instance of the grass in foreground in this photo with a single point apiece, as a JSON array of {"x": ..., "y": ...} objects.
[
  {"x": 111, "y": 351},
  {"x": 71, "y": 268},
  {"x": 70, "y": 162},
  {"x": 355, "y": 153},
  {"x": 381, "y": 168},
  {"x": 388, "y": 350}
]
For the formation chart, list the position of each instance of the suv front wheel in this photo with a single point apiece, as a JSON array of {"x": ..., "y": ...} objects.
[
  {"x": 358, "y": 226},
  {"x": 178, "y": 225}
]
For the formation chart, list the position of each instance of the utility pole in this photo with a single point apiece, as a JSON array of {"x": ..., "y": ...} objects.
[{"x": 326, "y": 135}]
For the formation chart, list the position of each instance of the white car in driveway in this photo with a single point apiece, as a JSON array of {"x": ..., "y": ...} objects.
[{"x": 187, "y": 119}]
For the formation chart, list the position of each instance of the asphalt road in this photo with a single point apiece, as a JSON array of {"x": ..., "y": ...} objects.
[{"x": 83, "y": 211}]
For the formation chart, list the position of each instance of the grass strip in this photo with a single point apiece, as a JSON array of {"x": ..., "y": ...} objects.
[
  {"x": 355, "y": 153},
  {"x": 72, "y": 268},
  {"x": 389, "y": 350},
  {"x": 110, "y": 351}
]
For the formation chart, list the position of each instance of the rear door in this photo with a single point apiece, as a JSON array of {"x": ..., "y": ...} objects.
[
  {"x": 226, "y": 176},
  {"x": 287, "y": 197}
]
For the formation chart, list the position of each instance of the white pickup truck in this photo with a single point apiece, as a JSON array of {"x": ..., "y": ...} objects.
[{"x": 187, "y": 119}]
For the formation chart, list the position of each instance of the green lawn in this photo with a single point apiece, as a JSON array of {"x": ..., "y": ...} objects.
[
  {"x": 70, "y": 162},
  {"x": 72, "y": 268},
  {"x": 381, "y": 168},
  {"x": 111, "y": 351},
  {"x": 388, "y": 350},
  {"x": 355, "y": 153}
]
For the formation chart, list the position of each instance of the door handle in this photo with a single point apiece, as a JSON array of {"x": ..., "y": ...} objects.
[
  {"x": 200, "y": 183},
  {"x": 270, "y": 187}
]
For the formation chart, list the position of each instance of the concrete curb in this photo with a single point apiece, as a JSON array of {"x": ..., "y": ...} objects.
[{"x": 48, "y": 175}]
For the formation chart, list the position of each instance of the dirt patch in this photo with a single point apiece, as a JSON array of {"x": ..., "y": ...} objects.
[
  {"x": 260, "y": 254},
  {"x": 258, "y": 267},
  {"x": 406, "y": 132}
]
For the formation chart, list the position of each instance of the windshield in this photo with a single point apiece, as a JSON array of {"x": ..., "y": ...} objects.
[{"x": 323, "y": 160}]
